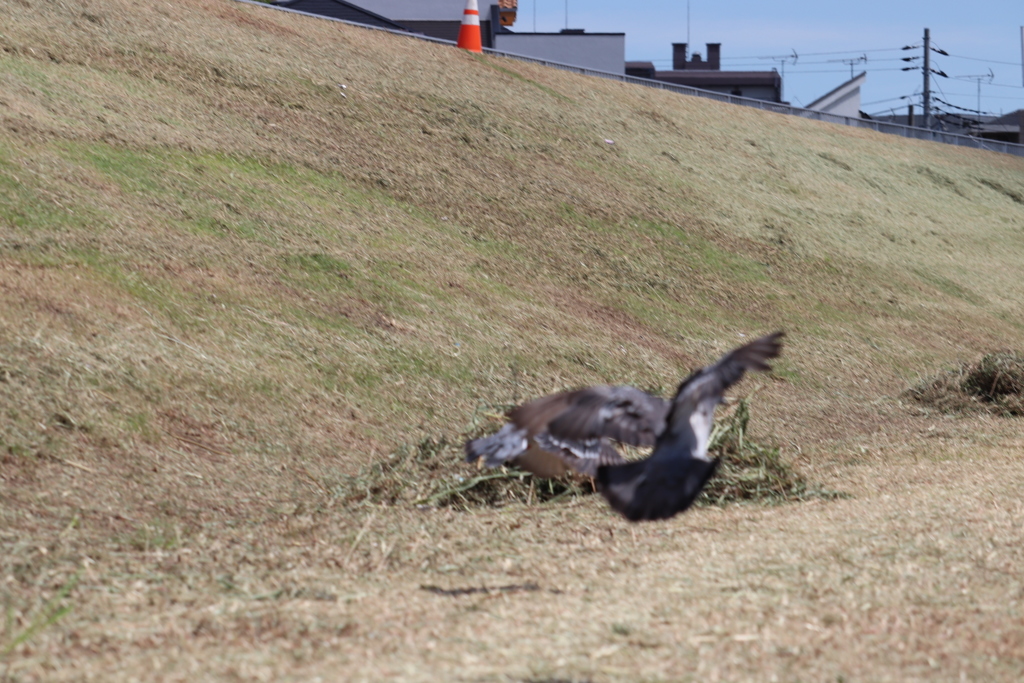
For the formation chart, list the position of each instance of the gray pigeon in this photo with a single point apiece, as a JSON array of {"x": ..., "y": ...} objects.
[{"x": 574, "y": 431}]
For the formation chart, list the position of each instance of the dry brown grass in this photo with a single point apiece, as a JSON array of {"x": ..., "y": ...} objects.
[
  {"x": 995, "y": 383},
  {"x": 227, "y": 289}
]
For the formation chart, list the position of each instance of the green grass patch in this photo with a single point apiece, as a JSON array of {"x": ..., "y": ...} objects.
[
  {"x": 27, "y": 207},
  {"x": 947, "y": 286}
]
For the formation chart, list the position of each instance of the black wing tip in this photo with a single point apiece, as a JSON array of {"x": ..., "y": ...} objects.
[
  {"x": 771, "y": 343},
  {"x": 756, "y": 354}
]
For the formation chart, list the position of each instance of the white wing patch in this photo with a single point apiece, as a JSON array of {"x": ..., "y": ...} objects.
[
  {"x": 584, "y": 448},
  {"x": 701, "y": 421}
]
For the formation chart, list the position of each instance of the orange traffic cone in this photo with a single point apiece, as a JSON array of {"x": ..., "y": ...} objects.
[{"x": 469, "y": 32}]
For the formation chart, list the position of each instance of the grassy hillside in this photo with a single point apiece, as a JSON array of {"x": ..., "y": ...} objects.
[{"x": 228, "y": 282}]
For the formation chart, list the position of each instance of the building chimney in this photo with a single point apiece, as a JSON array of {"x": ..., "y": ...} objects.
[
  {"x": 714, "y": 56},
  {"x": 678, "y": 56}
]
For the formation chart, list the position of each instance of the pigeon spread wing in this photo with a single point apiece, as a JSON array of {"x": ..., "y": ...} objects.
[
  {"x": 693, "y": 408},
  {"x": 673, "y": 476},
  {"x": 576, "y": 427},
  {"x": 623, "y": 413}
]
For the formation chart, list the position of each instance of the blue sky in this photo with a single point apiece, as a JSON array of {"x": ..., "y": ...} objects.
[{"x": 978, "y": 36}]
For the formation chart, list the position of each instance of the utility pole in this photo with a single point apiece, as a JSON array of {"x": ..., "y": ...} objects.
[
  {"x": 1022, "y": 56},
  {"x": 927, "y": 79}
]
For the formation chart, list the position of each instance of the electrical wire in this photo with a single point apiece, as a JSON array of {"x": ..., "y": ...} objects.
[
  {"x": 1005, "y": 85},
  {"x": 797, "y": 72},
  {"x": 818, "y": 54},
  {"x": 891, "y": 99},
  {"x": 973, "y": 111},
  {"x": 796, "y": 65},
  {"x": 990, "y": 61},
  {"x": 796, "y": 68},
  {"x": 987, "y": 97},
  {"x": 805, "y": 54}
]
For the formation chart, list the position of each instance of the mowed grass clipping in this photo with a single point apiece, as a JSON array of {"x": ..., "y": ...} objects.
[
  {"x": 231, "y": 286},
  {"x": 994, "y": 383},
  {"x": 434, "y": 473}
]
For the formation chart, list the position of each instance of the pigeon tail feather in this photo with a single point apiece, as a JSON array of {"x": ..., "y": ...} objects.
[{"x": 498, "y": 448}]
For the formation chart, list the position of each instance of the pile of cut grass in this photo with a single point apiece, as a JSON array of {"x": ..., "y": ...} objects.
[
  {"x": 434, "y": 473},
  {"x": 993, "y": 384},
  {"x": 750, "y": 471}
]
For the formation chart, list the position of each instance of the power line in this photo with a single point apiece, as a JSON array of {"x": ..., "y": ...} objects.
[
  {"x": 1006, "y": 85},
  {"x": 891, "y": 99},
  {"x": 990, "y": 61},
  {"x": 824, "y": 61},
  {"x": 991, "y": 97},
  {"x": 837, "y": 71},
  {"x": 973, "y": 111},
  {"x": 792, "y": 69},
  {"x": 798, "y": 67},
  {"x": 817, "y": 54},
  {"x": 851, "y": 52},
  {"x": 795, "y": 68}
]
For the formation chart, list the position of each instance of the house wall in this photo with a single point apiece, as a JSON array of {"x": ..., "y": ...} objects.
[
  {"x": 846, "y": 105},
  {"x": 601, "y": 51},
  {"x": 843, "y": 100}
]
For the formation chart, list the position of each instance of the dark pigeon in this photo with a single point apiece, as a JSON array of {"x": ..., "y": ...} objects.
[{"x": 575, "y": 430}]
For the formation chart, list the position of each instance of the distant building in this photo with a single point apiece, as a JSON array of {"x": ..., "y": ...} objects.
[
  {"x": 1007, "y": 128},
  {"x": 442, "y": 19},
  {"x": 708, "y": 75},
  {"x": 599, "y": 51},
  {"x": 340, "y": 9},
  {"x": 843, "y": 100}
]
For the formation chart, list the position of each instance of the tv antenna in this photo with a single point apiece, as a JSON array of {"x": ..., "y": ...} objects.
[
  {"x": 852, "y": 62},
  {"x": 783, "y": 60},
  {"x": 979, "y": 79}
]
